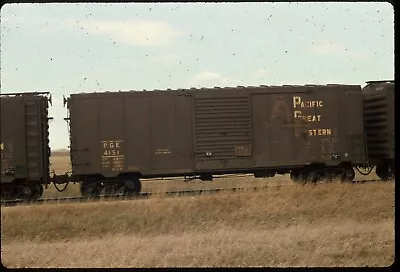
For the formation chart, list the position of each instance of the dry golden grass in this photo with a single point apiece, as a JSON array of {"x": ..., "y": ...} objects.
[
  {"x": 325, "y": 225},
  {"x": 344, "y": 244}
]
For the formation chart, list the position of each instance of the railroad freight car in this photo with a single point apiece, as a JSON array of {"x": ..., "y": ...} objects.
[
  {"x": 24, "y": 145},
  {"x": 311, "y": 131},
  {"x": 379, "y": 126}
]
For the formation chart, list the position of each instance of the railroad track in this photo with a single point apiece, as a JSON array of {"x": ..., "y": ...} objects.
[
  {"x": 142, "y": 195},
  {"x": 145, "y": 195}
]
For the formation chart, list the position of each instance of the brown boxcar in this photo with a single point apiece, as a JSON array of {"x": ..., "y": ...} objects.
[
  {"x": 24, "y": 146},
  {"x": 311, "y": 131},
  {"x": 379, "y": 126}
]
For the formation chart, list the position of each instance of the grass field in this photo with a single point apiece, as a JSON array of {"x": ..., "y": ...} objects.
[{"x": 325, "y": 225}]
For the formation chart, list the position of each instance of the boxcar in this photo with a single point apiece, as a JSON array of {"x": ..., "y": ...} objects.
[
  {"x": 310, "y": 131},
  {"x": 24, "y": 145},
  {"x": 379, "y": 126}
]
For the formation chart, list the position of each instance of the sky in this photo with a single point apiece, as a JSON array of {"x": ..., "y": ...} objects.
[{"x": 71, "y": 48}]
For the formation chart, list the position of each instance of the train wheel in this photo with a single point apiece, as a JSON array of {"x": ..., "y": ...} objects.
[
  {"x": 91, "y": 189},
  {"x": 8, "y": 192},
  {"x": 390, "y": 171},
  {"x": 347, "y": 175},
  {"x": 309, "y": 177},
  {"x": 37, "y": 191},
  {"x": 132, "y": 186},
  {"x": 27, "y": 192},
  {"x": 384, "y": 171},
  {"x": 296, "y": 177},
  {"x": 112, "y": 189},
  {"x": 329, "y": 174}
]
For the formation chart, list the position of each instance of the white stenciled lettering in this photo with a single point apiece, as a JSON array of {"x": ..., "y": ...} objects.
[
  {"x": 297, "y": 113},
  {"x": 320, "y": 132},
  {"x": 112, "y": 156},
  {"x": 309, "y": 118},
  {"x": 299, "y": 103},
  {"x": 296, "y": 101}
]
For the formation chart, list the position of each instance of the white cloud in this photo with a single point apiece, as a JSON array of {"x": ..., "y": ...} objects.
[
  {"x": 134, "y": 32},
  {"x": 211, "y": 79},
  {"x": 164, "y": 59},
  {"x": 206, "y": 77},
  {"x": 330, "y": 48},
  {"x": 260, "y": 73}
]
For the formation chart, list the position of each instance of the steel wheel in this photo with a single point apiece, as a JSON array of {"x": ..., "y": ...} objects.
[
  {"x": 390, "y": 171},
  {"x": 8, "y": 192},
  {"x": 348, "y": 175},
  {"x": 309, "y": 177},
  {"x": 132, "y": 186},
  {"x": 37, "y": 191},
  {"x": 112, "y": 189},
  {"x": 296, "y": 177},
  {"x": 90, "y": 189},
  {"x": 27, "y": 192},
  {"x": 384, "y": 171}
]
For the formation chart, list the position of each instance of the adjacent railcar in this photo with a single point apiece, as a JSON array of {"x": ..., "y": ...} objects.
[
  {"x": 24, "y": 145},
  {"x": 379, "y": 126},
  {"x": 310, "y": 131}
]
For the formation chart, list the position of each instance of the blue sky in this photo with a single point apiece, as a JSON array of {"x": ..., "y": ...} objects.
[{"x": 72, "y": 48}]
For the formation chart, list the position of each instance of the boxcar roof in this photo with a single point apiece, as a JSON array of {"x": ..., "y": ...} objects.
[
  {"x": 253, "y": 89},
  {"x": 24, "y": 94}
]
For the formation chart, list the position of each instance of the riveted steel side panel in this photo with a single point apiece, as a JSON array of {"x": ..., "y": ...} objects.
[
  {"x": 84, "y": 135},
  {"x": 158, "y": 135},
  {"x": 140, "y": 132},
  {"x": 161, "y": 133},
  {"x": 303, "y": 125},
  {"x": 171, "y": 137},
  {"x": 273, "y": 130}
]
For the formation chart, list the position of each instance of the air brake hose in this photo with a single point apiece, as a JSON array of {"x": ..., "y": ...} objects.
[
  {"x": 365, "y": 174},
  {"x": 65, "y": 187}
]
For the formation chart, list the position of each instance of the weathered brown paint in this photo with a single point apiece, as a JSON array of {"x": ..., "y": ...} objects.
[
  {"x": 24, "y": 138},
  {"x": 216, "y": 130}
]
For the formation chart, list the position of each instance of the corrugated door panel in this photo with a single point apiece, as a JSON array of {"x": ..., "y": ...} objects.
[
  {"x": 391, "y": 121},
  {"x": 376, "y": 125},
  {"x": 223, "y": 131}
]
